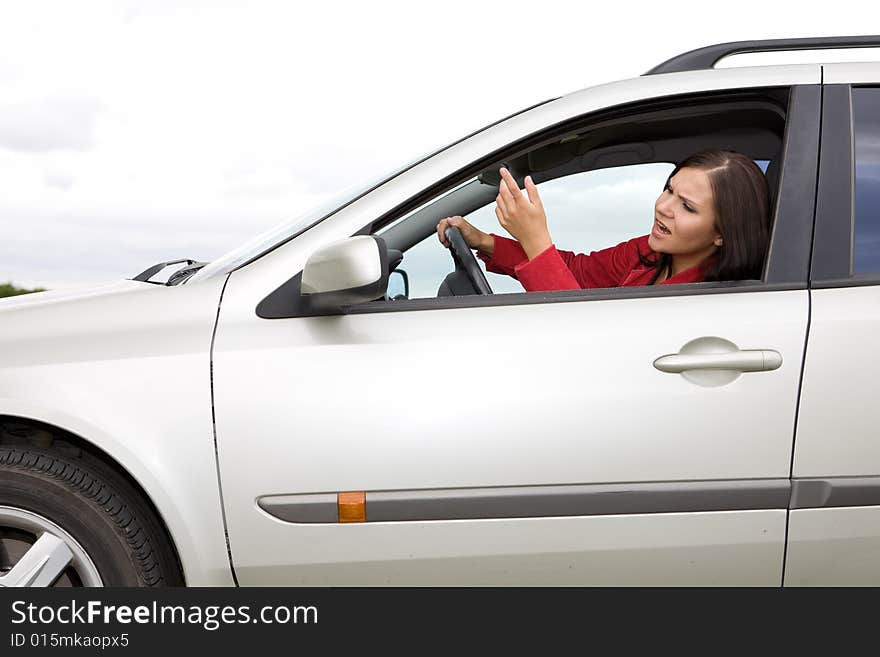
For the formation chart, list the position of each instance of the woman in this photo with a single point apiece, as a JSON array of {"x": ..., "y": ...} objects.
[{"x": 711, "y": 223}]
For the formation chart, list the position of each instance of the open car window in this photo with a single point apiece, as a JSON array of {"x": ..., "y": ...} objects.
[{"x": 586, "y": 212}]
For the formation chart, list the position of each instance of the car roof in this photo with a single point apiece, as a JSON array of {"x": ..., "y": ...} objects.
[{"x": 629, "y": 90}]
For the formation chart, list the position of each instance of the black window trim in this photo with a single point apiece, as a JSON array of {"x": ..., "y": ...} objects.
[
  {"x": 832, "y": 247},
  {"x": 788, "y": 259}
]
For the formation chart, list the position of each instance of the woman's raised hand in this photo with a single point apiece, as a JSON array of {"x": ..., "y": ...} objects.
[
  {"x": 522, "y": 216},
  {"x": 475, "y": 238}
]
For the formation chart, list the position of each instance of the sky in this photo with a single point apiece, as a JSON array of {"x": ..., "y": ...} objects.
[{"x": 133, "y": 132}]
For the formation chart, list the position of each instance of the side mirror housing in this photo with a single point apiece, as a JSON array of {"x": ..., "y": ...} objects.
[{"x": 345, "y": 273}]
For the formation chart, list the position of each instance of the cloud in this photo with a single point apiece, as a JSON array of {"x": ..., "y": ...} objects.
[
  {"x": 50, "y": 124},
  {"x": 59, "y": 179},
  {"x": 269, "y": 182},
  {"x": 69, "y": 245}
]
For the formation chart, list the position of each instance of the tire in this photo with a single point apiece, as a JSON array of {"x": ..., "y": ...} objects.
[{"x": 100, "y": 531}]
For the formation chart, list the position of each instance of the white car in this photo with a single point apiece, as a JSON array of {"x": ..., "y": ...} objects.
[{"x": 294, "y": 413}]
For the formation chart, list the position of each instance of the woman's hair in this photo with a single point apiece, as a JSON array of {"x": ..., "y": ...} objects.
[{"x": 741, "y": 201}]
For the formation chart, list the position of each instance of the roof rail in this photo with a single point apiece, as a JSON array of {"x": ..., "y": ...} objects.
[{"x": 706, "y": 58}]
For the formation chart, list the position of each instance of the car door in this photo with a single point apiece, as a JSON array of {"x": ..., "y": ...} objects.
[
  {"x": 834, "y": 529},
  {"x": 519, "y": 438}
]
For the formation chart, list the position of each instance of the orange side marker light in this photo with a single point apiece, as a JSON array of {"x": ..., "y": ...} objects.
[{"x": 352, "y": 506}]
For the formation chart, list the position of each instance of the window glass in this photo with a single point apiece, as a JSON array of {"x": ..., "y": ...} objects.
[{"x": 866, "y": 119}]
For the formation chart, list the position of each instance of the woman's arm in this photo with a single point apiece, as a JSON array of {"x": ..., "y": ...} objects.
[
  {"x": 504, "y": 255},
  {"x": 554, "y": 269},
  {"x": 500, "y": 254},
  {"x": 564, "y": 270},
  {"x": 542, "y": 267}
]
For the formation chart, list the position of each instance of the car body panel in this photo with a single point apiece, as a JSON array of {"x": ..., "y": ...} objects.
[
  {"x": 467, "y": 397},
  {"x": 851, "y": 73},
  {"x": 837, "y": 434},
  {"x": 733, "y": 548},
  {"x": 127, "y": 369},
  {"x": 833, "y": 547}
]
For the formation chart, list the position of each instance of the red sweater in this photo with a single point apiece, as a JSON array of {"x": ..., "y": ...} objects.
[{"x": 617, "y": 266}]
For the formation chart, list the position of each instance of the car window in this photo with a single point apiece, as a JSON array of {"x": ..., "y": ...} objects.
[
  {"x": 586, "y": 212},
  {"x": 866, "y": 120}
]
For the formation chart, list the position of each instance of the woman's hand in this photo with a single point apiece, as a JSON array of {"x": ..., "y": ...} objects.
[
  {"x": 475, "y": 238},
  {"x": 522, "y": 217}
]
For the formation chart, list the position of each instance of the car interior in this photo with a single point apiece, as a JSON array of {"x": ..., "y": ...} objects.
[{"x": 753, "y": 126}]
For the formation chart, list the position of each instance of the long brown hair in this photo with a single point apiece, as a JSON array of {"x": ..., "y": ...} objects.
[{"x": 741, "y": 201}]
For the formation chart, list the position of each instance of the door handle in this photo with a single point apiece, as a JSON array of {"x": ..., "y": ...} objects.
[{"x": 747, "y": 360}]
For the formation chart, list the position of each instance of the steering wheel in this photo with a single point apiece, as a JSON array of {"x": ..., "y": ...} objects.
[{"x": 466, "y": 261}]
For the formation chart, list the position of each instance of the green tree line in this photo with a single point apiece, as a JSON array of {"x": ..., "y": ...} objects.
[{"x": 9, "y": 290}]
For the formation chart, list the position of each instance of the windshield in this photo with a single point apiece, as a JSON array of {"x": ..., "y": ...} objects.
[{"x": 286, "y": 231}]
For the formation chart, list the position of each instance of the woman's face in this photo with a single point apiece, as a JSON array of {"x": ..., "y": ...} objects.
[{"x": 686, "y": 209}]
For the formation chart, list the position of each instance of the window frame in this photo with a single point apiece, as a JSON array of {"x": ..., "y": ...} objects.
[{"x": 787, "y": 264}]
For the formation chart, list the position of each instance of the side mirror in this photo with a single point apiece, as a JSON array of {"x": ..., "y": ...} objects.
[{"x": 345, "y": 273}]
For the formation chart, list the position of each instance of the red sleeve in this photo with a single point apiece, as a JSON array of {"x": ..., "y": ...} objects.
[
  {"x": 564, "y": 270},
  {"x": 507, "y": 254}
]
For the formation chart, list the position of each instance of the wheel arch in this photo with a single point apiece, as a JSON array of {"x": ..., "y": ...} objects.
[{"x": 28, "y": 431}]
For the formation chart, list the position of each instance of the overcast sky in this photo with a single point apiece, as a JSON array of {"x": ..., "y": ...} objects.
[{"x": 138, "y": 131}]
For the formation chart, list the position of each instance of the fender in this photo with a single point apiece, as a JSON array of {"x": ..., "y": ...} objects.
[{"x": 198, "y": 540}]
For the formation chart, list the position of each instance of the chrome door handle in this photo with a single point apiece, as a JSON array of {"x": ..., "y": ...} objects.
[{"x": 750, "y": 360}]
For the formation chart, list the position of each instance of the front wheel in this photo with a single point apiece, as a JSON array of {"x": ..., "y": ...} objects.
[{"x": 66, "y": 521}]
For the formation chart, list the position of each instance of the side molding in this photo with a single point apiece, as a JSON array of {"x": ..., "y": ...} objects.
[{"x": 539, "y": 501}]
